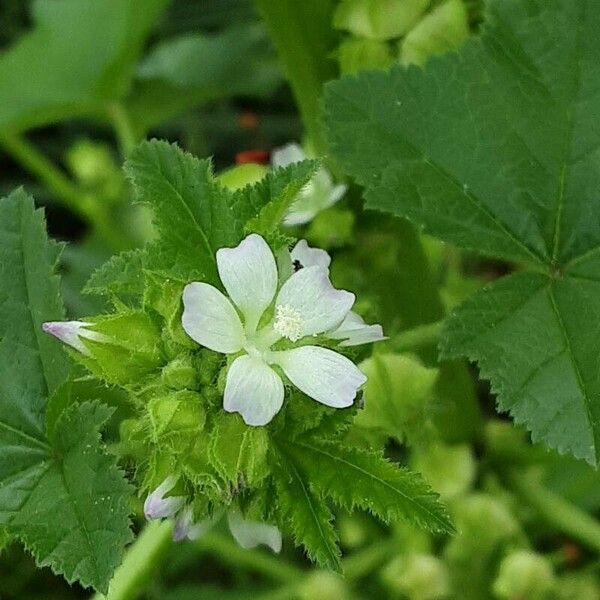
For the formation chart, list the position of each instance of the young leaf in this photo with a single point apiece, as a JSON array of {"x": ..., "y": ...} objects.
[
  {"x": 119, "y": 278},
  {"x": 307, "y": 516},
  {"x": 67, "y": 64},
  {"x": 191, "y": 210},
  {"x": 495, "y": 149},
  {"x": 276, "y": 192},
  {"x": 71, "y": 475},
  {"x": 358, "y": 478}
]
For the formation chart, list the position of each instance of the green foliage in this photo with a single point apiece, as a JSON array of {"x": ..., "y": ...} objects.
[
  {"x": 85, "y": 487},
  {"x": 353, "y": 478},
  {"x": 68, "y": 65},
  {"x": 238, "y": 452},
  {"x": 306, "y": 516},
  {"x": 276, "y": 192},
  {"x": 120, "y": 278},
  {"x": 195, "y": 216},
  {"x": 515, "y": 111},
  {"x": 237, "y": 61},
  {"x": 378, "y": 19},
  {"x": 397, "y": 397},
  {"x": 63, "y": 469}
]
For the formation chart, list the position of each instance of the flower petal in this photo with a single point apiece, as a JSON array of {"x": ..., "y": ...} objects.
[
  {"x": 249, "y": 534},
  {"x": 310, "y": 257},
  {"x": 287, "y": 155},
  {"x": 310, "y": 293},
  {"x": 210, "y": 319},
  {"x": 322, "y": 374},
  {"x": 249, "y": 274},
  {"x": 186, "y": 528},
  {"x": 157, "y": 506},
  {"x": 72, "y": 332},
  {"x": 254, "y": 390},
  {"x": 354, "y": 331}
]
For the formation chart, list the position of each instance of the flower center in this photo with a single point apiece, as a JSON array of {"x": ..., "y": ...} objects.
[{"x": 288, "y": 322}]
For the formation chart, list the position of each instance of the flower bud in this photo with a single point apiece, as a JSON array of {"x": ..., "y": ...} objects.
[
  {"x": 418, "y": 577},
  {"x": 72, "y": 332},
  {"x": 157, "y": 506},
  {"x": 180, "y": 374},
  {"x": 524, "y": 574},
  {"x": 325, "y": 586}
]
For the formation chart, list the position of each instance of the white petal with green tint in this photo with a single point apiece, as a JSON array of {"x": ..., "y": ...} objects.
[
  {"x": 310, "y": 293},
  {"x": 210, "y": 319},
  {"x": 254, "y": 390},
  {"x": 322, "y": 374},
  {"x": 250, "y": 534},
  {"x": 310, "y": 257},
  {"x": 354, "y": 331},
  {"x": 249, "y": 274}
]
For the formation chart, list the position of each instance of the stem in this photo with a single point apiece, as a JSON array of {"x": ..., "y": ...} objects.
[
  {"x": 68, "y": 193},
  {"x": 44, "y": 169},
  {"x": 423, "y": 335},
  {"x": 556, "y": 511},
  {"x": 124, "y": 130},
  {"x": 304, "y": 38},
  {"x": 142, "y": 558},
  {"x": 229, "y": 552},
  {"x": 366, "y": 561}
]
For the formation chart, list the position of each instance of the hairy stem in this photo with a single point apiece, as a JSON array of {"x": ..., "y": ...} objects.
[
  {"x": 556, "y": 511},
  {"x": 142, "y": 558},
  {"x": 124, "y": 130},
  {"x": 31, "y": 159},
  {"x": 65, "y": 191},
  {"x": 304, "y": 38}
]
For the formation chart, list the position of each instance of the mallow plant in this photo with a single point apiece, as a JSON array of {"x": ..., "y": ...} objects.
[{"x": 225, "y": 376}]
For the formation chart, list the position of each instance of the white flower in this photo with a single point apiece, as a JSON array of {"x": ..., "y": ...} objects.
[
  {"x": 318, "y": 194},
  {"x": 248, "y": 534},
  {"x": 353, "y": 330},
  {"x": 306, "y": 305},
  {"x": 157, "y": 506},
  {"x": 71, "y": 332}
]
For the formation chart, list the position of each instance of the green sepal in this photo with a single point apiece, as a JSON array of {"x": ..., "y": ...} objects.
[
  {"x": 177, "y": 420},
  {"x": 130, "y": 350},
  {"x": 238, "y": 452}
]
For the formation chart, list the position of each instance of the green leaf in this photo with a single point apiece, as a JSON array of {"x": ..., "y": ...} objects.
[
  {"x": 69, "y": 65},
  {"x": 306, "y": 516},
  {"x": 508, "y": 168},
  {"x": 119, "y": 278},
  {"x": 192, "y": 212},
  {"x": 355, "y": 478},
  {"x": 236, "y": 61},
  {"x": 80, "y": 482},
  {"x": 546, "y": 380},
  {"x": 305, "y": 40},
  {"x": 70, "y": 475},
  {"x": 276, "y": 192}
]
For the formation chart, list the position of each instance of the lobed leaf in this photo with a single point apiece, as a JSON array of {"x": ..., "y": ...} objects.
[
  {"x": 495, "y": 149},
  {"x": 67, "y": 473}
]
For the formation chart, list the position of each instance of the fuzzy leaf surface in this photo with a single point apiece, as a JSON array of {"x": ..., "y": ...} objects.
[
  {"x": 306, "y": 516},
  {"x": 495, "y": 149},
  {"x": 69, "y": 475},
  {"x": 355, "y": 478}
]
